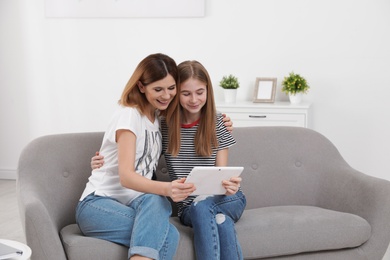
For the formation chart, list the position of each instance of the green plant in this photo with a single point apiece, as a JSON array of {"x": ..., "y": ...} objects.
[
  {"x": 295, "y": 83},
  {"x": 229, "y": 82}
]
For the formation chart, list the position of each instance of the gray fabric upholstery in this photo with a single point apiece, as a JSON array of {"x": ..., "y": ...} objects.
[
  {"x": 299, "y": 229},
  {"x": 304, "y": 200},
  {"x": 86, "y": 248}
]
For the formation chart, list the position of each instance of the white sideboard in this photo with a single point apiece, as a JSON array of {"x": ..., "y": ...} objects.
[{"x": 247, "y": 113}]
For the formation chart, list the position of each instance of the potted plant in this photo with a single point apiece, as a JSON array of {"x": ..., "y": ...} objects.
[
  {"x": 230, "y": 85},
  {"x": 295, "y": 86}
]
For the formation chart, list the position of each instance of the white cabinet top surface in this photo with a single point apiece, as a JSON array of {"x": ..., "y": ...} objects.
[{"x": 277, "y": 104}]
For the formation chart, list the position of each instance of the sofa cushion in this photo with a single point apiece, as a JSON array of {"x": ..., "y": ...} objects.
[
  {"x": 286, "y": 230},
  {"x": 79, "y": 247},
  {"x": 263, "y": 232}
]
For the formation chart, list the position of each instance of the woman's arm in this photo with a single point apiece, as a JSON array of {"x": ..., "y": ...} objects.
[
  {"x": 227, "y": 122},
  {"x": 233, "y": 184},
  {"x": 129, "y": 178},
  {"x": 97, "y": 161}
]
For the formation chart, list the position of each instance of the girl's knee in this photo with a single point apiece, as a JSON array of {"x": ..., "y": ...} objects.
[{"x": 222, "y": 219}]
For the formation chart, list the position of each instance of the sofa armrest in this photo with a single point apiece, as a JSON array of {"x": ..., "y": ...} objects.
[
  {"x": 348, "y": 190},
  {"x": 41, "y": 233},
  {"x": 52, "y": 173}
]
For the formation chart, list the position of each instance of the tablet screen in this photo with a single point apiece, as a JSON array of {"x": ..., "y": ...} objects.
[{"x": 208, "y": 180}]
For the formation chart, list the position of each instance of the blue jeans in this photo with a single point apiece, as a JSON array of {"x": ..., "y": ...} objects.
[
  {"x": 143, "y": 225},
  {"x": 212, "y": 219}
]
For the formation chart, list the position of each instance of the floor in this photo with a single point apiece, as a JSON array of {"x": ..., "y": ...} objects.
[{"x": 10, "y": 224}]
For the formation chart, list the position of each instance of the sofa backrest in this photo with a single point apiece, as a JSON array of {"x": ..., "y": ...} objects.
[{"x": 283, "y": 166}]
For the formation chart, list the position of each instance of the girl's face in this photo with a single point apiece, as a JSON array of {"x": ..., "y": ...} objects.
[
  {"x": 160, "y": 93},
  {"x": 193, "y": 96}
]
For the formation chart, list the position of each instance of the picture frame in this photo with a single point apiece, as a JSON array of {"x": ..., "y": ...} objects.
[{"x": 265, "y": 89}]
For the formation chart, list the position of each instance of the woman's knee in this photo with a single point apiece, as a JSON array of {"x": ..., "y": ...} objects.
[
  {"x": 174, "y": 234},
  {"x": 157, "y": 203}
]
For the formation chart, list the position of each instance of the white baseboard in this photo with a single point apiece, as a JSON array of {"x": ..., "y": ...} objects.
[{"x": 7, "y": 174}]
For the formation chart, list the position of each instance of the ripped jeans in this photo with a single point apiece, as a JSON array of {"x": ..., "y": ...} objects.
[{"x": 212, "y": 219}]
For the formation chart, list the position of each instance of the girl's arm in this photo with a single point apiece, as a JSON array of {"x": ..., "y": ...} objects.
[
  {"x": 222, "y": 157},
  {"x": 126, "y": 141},
  {"x": 233, "y": 184}
]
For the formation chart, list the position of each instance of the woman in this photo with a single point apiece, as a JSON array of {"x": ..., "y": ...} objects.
[{"x": 120, "y": 202}]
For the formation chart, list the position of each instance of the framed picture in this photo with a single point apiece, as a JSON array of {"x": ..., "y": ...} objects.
[{"x": 265, "y": 89}]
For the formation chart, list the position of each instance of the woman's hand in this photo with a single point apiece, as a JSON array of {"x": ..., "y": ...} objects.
[
  {"x": 232, "y": 185},
  {"x": 97, "y": 161},
  {"x": 180, "y": 190},
  {"x": 227, "y": 122}
]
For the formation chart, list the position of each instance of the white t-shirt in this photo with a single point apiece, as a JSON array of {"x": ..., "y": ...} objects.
[{"x": 105, "y": 181}]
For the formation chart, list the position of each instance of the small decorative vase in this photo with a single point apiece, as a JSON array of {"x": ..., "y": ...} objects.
[
  {"x": 295, "y": 98},
  {"x": 230, "y": 95}
]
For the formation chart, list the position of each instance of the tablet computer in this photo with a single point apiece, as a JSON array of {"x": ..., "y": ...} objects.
[{"x": 208, "y": 180}]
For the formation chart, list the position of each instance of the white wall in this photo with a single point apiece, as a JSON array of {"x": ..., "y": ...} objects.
[{"x": 65, "y": 75}]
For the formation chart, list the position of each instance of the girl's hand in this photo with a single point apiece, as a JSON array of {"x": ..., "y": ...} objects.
[
  {"x": 232, "y": 185},
  {"x": 228, "y": 123},
  {"x": 97, "y": 161},
  {"x": 181, "y": 190}
]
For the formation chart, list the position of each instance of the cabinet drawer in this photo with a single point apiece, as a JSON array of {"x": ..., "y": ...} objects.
[
  {"x": 267, "y": 119},
  {"x": 246, "y": 113}
]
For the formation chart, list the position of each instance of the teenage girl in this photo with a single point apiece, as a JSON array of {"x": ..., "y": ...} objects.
[{"x": 202, "y": 140}]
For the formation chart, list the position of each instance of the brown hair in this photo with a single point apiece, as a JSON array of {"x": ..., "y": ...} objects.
[
  {"x": 206, "y": 137},
  {"x": 152, "y": 68}
]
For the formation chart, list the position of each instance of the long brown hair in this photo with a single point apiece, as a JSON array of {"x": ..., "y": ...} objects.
[
  {"x": 206, "y": 137},
  {"x": 152, "y": 68}
]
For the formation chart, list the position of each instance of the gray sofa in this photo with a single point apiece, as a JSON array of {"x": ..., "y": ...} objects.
[{"x": 304, "y": 200}]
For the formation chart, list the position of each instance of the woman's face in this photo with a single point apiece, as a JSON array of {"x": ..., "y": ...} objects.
[
  {"x": 193, "y": 96},
  {"x": 160, "y": 93}
]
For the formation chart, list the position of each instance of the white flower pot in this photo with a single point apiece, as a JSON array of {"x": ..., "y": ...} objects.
[
  {"x": 295, "y": 98},
  {"x": 230, "y": 95}
]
